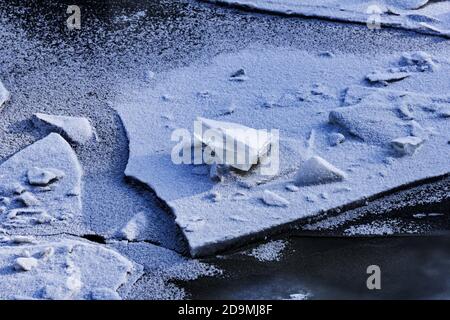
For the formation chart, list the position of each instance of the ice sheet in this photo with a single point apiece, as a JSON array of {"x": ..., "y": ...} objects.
[
  {"x": 419, "y": 15},
  {"x": 314, "y": 84}
]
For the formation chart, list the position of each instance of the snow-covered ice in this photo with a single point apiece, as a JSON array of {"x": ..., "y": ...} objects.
[
  {"x": 75, "y": 129},
  {"x": 317, "y": 170},
  {"x": 247, "y": 146},
  {"x": 425, "y": 16},
  {"x": 66, "y": 269},
  {"x": 272, "y": 199},
  {"x": 384, "y": 77},
  {"x": 43, "y": 176},
  {"x": 40, "y": 180},
  {"x": 370, "y": 164},
  {"x": 407, "y": 145}
]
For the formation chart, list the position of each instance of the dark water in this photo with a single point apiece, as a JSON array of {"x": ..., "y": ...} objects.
[
  {"x": 336, "y": 268},
  {"x": 327, "y": 266}
]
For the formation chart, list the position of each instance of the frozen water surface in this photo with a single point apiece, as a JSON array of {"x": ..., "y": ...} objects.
[
  {"x": 128, "y": 48},
  {"x": 377, "y": 121},
  {"x": 420, "y": 15}
]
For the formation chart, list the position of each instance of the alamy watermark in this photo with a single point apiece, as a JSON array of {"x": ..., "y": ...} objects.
[
  {"x": 374, "y": 20},
  {"x": 238, "y": 147},
  {"x": 374, "y": 280},
  {"x": 74, "y": 20}
]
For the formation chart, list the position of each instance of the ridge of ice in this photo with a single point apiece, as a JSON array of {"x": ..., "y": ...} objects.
[
  {"x": 75, "y": 129},
  {"x": 417, "y": 15},
  {"x": 317, "y": 170}
]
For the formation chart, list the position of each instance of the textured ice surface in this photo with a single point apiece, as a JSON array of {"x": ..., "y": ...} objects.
[
  {"x": 75, "y": 129},
  {"x": 4, "y": 95},
  {"x": 417, "y": 15},
  {"x": 372, "y": 118},
  {"x": 66, "y": 269},
  {"x": 40, "y": 188},
  {"x": 161, "y": 267},
  {"x": 270, "y": 251}
]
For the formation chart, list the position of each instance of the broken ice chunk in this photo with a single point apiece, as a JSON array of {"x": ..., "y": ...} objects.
[
  {"x": 41, "y": 177},
  {"x": 336, "y": 138},
  {"x": 292, "y": 188},
  {"x": 75, "y": 129},
  {"x": 385, "y": 77},
  {"x": 28, "y": 199},
  {"x": 4, "y": 95},
  {"x": 25, "y": 264},
  {"x": 405, "y": 112},
  {"x": 375, "y": 123},
  {"x": 407, "y": 145},
  {"x": 22, "y": 239},
  {"x": 44, "y": 218},
  {"x": 272, "y": 199},
  {"x": 418, "y": 61},
  {"x": 239, "y": 75},
  {"x": 233, "y": 144},
  {"x": 18, "y": 188},
  {"x": 316, "y": 170},
  {"x": 134, "y": 228}
]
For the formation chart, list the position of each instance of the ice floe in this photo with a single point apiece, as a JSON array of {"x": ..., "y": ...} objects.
[
  {"x": 36, "y": 181},
  {"x": 66, "y": 269},
  {"x": 425, "y": 16},
  {"x": 407, "y": 145},
  {"x": 75, "y": 129},
  {"x": 370, "y": 118}
]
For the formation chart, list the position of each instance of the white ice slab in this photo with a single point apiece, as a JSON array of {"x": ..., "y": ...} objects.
[
  {"x": 419, "y": 15},
  {"x": 214, "y": 215},
  {"x": 75, "y": 129},
  {"x": 235, "y": 145},
  {"x": 61, "y": 270},
  {"x": 54, "y": 203}
]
